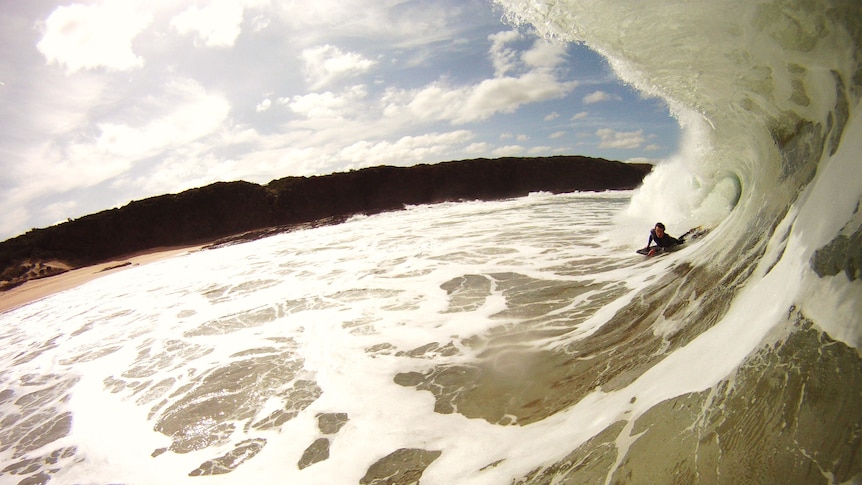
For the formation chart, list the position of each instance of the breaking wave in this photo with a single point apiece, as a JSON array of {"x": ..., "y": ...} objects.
[{"x": 767, "y": 93}]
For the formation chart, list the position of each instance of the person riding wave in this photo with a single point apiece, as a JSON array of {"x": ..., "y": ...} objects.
[{"x": 662, "y": 239}]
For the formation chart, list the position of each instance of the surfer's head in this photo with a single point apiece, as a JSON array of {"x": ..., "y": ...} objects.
[{"x": 659, "y": 229}]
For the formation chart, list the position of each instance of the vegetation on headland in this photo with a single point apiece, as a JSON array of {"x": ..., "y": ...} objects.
[{"x": 243, "y": 210}]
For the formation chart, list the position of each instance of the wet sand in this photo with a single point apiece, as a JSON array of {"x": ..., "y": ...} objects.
[{"x": 37, "y": 289}]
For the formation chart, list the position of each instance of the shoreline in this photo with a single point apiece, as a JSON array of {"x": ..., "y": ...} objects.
[{"x": 34, "y": 290}]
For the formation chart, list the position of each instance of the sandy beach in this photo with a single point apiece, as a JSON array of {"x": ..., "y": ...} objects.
[{"x": 40, "y": 288}]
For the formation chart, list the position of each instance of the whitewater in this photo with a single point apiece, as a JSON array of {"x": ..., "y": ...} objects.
[{"x": 516, "y": 341}]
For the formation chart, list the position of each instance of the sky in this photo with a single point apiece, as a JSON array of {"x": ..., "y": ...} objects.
[{"x": 107, "y": 101}]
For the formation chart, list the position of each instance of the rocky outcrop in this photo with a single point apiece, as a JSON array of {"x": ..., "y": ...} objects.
[{"x": 222, "y": 209}]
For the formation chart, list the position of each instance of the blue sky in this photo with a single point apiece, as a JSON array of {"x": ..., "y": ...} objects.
[{"x": 107, "y": 101}]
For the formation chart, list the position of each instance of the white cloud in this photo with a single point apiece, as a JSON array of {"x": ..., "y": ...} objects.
[
  {"x": 503, "y": 93},
  {"x": 184, "y": 113},
  {"x": 324, "y": 64},
  {"x": 82, "y": 37},
  {"x": 217, "y": 24},
  {"x": 59, "y": 211},
  {"x": 620, "y": 139},
  {"x": 552, "y": 116},
  {"x": 263, "y": 105},
  {"x": 508, "y": 151},
  {"x": 580, "y": 116},
  {"x": 188, "y": 168},
  {"x": 478, "y": 148},
  {"x": 557, "y": 134},
  {"x": 58, "y": 105},
  {"x": 396, "y": 23},
  {"x": 327, "y": 104},
  {"x": 507, "y": 94},
  {"x": 15, "y": 217},
  {"x": 503, "y": 58},
  {"x": 322, "y": 13},
  {"x": 542, "y": 150},
  {"x": 600, "y": 96},
  {"x": 544, "y": 55},
  {"x": 406, "y": 149},
  {"x": 466, "y": 104},
  {"x": 191, "y": 114}
]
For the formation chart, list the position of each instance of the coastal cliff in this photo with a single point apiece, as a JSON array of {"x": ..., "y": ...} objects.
[{"x": 238, "y": 210}]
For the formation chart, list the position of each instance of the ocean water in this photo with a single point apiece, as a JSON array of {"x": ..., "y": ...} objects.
[{"x": 518, "y": 341}]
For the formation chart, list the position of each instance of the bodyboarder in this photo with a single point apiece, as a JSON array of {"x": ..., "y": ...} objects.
[{"x": 662, "y": 239}]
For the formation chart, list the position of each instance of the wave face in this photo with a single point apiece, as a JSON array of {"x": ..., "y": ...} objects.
[{"x": 517, "y": 341}]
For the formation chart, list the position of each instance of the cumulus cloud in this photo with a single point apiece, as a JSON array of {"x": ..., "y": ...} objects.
[
  {"x": 82, "y": 37},
  {"x": 326, "y": 104},
  {"x": 471, "y": 103},
  {"x": 504, "y": 95},
  {"x": 620, "y": 139},
  {"x": 580, "y": 116},
  {"x": 600, "y": 96},
  {"x": 324, "y": 64},
  {"x": 423, "y": 147},
  {"x": 552, "y": 116},
  {"x": 557, "y": 134}
]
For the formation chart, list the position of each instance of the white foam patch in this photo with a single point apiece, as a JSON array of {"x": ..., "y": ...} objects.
[{"x": 335, "y": 292}]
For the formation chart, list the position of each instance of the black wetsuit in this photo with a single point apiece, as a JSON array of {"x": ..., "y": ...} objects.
[{"x": 664, "y": 242}]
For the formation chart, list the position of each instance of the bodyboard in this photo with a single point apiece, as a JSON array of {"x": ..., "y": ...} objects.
[{"x": 645, "y": 251}]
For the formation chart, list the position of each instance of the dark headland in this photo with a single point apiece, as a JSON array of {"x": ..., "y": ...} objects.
[{"x": 235, "y": 211}]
